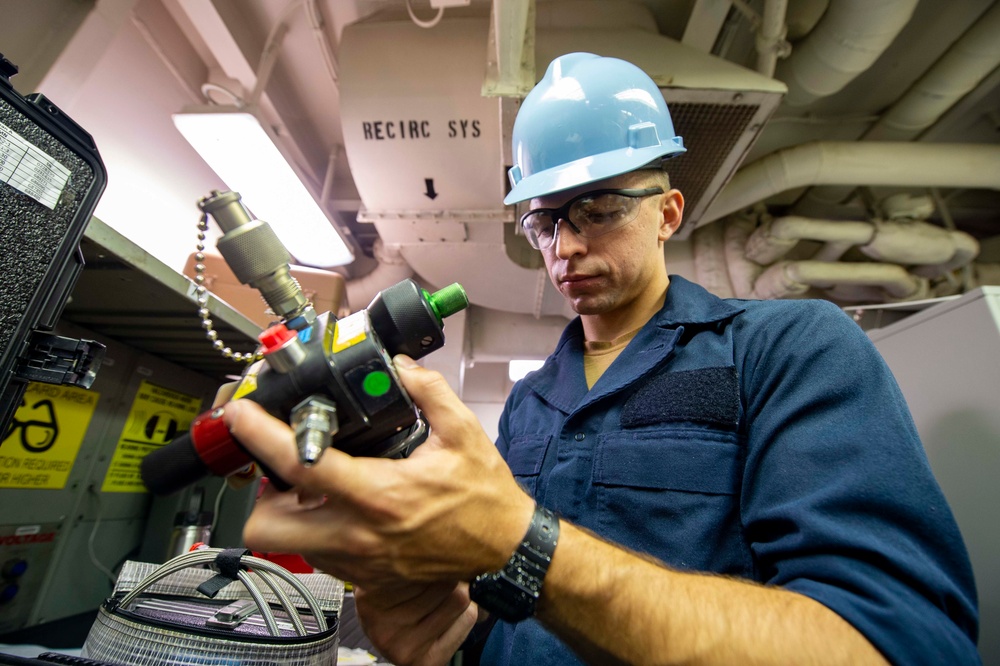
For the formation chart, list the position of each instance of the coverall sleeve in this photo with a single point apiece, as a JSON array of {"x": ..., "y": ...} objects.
[{"x": 838, "y": 500}]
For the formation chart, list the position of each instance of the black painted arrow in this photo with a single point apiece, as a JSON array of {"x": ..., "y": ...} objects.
[{"x": 429, "y": 184}]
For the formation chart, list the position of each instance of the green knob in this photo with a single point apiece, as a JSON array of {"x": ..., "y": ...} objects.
[{"x": 446, "y": 302}]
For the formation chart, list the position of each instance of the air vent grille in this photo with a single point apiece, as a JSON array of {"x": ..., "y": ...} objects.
[{"x": 710, "y": 132}]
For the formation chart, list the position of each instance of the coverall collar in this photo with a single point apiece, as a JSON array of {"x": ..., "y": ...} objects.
[{"x": 561, "y": 380}]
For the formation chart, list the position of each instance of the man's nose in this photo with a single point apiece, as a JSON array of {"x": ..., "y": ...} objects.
[{"x": 567, "y": 242}]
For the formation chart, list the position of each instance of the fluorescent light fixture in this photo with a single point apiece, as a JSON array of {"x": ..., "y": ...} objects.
[
  {"x": 518, "y": 368},
  {"x": 245, "y": 155}
]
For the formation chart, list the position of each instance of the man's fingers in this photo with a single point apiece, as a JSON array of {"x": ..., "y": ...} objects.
[
  {"x": 416, "y": 623},
  {"x": 423, "y": 385},
  {"x": 271, "y": 441},
  {"x": 431, "y": 393}
]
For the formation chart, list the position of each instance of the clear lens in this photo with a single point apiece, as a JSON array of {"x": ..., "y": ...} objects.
[
  {"x": 591, "y": 214},
  {"x": 603, "y": 213},
  {"x": 539, "y": 229}
]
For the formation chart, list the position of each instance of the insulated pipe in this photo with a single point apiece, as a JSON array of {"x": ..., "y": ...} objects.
[
  {"x": 791, "y": 278},
  {"x": 848, "y": 39},
  {"x": 391, "y": 268},
  {"x": 966, "y": 249},
  {"x": 912, "y": 243},
  {"x": 963, "y": 67},
  {"x": 710, "y": 269},
  {"x": 770, "y": 42},
  {"x": 868, "y": 163},
  {"x": 743, "y": 273},
  {"x": 970, "y": 60},
  {"x": 775, "y": 238}
]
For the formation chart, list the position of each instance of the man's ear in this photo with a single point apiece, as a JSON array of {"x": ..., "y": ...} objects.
[{"x": 673, "y": 214}]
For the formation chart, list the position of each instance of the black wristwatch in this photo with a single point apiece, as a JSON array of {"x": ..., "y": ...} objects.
[{"x": 512, "y": 592}]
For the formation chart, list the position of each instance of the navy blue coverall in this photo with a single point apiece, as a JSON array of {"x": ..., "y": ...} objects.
[{"x": 762, "y": 439}]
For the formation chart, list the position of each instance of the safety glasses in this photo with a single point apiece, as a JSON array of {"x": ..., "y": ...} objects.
[{"x": 590, "y": 215}]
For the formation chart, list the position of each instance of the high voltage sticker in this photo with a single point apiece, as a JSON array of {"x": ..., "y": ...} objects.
[{"x": 44, "y": 437}]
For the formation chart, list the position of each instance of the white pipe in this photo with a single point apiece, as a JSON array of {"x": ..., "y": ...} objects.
[
  {"x": 391, "y": 269},
  {"x": 710, "y": 269},
  {"x": 970, "y": 60},
  {"x": 803, "y": 16},
  {"x": 791, "y": 278},
  {"x": 832, "y": 251},
  {"x": 911, "y": 243},
  {"x": 965, "y": 65},
  {"x": 743, "y": 273},
  {"x": 770, "y": 41},
  {"x": 775, "y": 238},
  {"x": 848, "y": 39},
  {"x": 966, "y": 249},
  {"x": 867, "y": 163}
]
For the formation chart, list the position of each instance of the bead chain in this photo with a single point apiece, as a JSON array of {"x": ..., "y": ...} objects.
[{"x": 202, "y": 298}]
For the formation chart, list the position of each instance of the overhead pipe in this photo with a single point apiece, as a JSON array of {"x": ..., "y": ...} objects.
[
  {"x": 795, "y": 278},
  {"x": 850, "y": 37},
  {"x": 966, "y": 249},
  {"x": 775, "y": 238},
  {"x": 391, "y": 268},
  {"x": 970, "y": 60},
  {"x": 711, "y": 270},
  {"x": 743, "y": 273},
  {"x": 848, "y": 163},
  {"x": 770, "y": 41},
  {"x": 748, "y": 249},
  {"x": 803, "y": 16},
  {"x": 965, "y": 65},
  {"x": 915, "y": 243}
]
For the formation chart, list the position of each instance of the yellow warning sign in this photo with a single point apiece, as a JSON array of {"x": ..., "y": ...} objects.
[
  {"x": 157, "y": 416},
  {"x": 44, "y": 437}
]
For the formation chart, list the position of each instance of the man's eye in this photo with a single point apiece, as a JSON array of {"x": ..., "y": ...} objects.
[
  {"x": 540, "y": 226},
  {"x": 601, "y": 209},
  {"x": 599, "y": 214}
]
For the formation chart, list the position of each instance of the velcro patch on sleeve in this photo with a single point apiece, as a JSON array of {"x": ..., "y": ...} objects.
[{"x": 706, "y": 395}]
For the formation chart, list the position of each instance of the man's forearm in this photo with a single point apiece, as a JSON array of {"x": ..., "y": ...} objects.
[{"x": 614, "y": 606}]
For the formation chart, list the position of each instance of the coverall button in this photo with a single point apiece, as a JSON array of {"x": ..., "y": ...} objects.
[{"x": 579, "y": 437}]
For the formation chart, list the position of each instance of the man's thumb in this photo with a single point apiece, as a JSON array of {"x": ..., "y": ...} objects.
[
  {"x": 403, "y": 361},
  {"x": 428, "y": 389}
]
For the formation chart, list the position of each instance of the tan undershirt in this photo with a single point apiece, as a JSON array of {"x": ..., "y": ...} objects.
[{"x": 599, "y": 355}]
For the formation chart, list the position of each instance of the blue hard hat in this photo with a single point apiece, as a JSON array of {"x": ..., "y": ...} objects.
[{"x": 589, "y": 118}]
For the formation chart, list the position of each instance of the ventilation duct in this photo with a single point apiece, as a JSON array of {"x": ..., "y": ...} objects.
[{"x": 426, "y": 148}]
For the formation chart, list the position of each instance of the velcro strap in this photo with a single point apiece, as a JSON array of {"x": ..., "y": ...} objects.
[{"x": 228, "y": 564}]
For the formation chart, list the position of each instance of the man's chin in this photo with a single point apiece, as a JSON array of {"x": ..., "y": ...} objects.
[{"x": 588, "y": 306}]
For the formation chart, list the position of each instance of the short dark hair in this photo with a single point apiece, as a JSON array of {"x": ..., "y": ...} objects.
[{"x": 660, "y": 174}]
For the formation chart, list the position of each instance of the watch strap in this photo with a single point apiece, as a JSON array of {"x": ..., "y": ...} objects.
[{"x": 512, "y": 592}]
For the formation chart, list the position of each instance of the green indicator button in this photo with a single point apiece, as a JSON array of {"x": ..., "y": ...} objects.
[{"x": 376, "y": 383}]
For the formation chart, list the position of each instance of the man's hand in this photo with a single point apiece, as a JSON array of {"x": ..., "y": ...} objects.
[
  {"x": 447, "y": 513},
  {"x": 420, "y": 624}
]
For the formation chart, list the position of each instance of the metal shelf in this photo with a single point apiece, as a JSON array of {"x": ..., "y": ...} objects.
[{"x": 126, "y": 294}]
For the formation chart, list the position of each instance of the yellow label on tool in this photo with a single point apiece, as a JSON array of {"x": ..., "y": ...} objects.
[
  {"x": 44, "y": 437},
  {"x": 349, "y": 331},
  {"x": 248, "y": 383},
  {"x": 158, "y": 415}
]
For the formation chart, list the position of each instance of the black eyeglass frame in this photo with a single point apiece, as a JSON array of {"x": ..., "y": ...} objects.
[{"x": 562, "y": 213}]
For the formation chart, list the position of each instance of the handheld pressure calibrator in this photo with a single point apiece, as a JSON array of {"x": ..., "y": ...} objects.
[{"x": 332, "y": 380}]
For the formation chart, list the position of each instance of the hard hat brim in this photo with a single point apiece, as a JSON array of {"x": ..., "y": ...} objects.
[{"x": 590, "y": 169}]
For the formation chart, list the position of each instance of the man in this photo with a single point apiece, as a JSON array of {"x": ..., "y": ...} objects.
[{"x": 686, "y": 480}]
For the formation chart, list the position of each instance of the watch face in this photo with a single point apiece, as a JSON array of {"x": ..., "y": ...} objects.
[{"x": 503, "y": 597}]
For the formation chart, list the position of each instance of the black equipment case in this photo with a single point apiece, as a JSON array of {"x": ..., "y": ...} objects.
[{"x": 51, "y": 178}]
